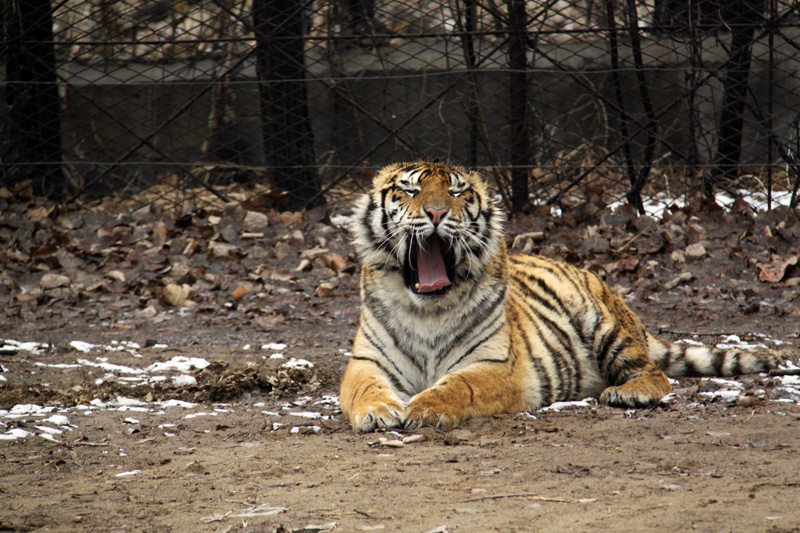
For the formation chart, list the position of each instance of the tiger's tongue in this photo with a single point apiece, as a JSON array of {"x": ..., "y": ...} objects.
[{"x": 430, "y": 266}]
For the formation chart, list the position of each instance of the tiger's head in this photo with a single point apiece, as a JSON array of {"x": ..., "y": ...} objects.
[{"x": 433, "y": 223}]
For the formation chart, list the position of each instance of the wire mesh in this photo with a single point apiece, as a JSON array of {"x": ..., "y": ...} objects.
[{"x": 552, "y": 99}]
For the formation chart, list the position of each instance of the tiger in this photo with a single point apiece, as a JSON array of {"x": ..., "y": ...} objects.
[{"x": 452, "y": 326}]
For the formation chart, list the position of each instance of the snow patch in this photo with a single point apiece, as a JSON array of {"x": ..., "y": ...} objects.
[
  {"x": 725, "y": 382},
  {"x": 14, "y": 434},
  {"x": 16, "y": 346},
  {"x": 558, "y": 406},
  {"x": 274, "y": 346},
  {"x": 81, "y": 346},
  {"x": 725, "y": 395},
  {"x": 179, "y": 363},
  {"x": 297, "y": 363}
]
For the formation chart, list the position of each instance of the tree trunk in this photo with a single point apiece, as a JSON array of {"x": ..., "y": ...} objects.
[
  {"x": 742, "y": 19},
  {"x": 31, "y": 91},
  {"x": 518, "y": 103},
  {"x": 634, "y": 195},
  {"x": 288, "y": 139}
]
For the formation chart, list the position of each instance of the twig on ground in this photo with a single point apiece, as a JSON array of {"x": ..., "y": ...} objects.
[
  {"x": 530, "y": 497},
  {"x": 785, "y": 372}
]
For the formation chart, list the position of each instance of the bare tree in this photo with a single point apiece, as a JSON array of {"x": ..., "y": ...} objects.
[
  {"x": 518, "y": 103},
  {"x": 33, "y": 151},
  {"x": 288, "y": 139},
  {"x": 742, "y": 17},
  {"x": 739, "y": 19}
]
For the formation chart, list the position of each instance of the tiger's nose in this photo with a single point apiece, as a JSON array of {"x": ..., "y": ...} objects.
[{"x": 436, "y": 214}]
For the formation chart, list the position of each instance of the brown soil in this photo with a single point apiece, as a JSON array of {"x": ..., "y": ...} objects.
[{"x": 263, "y": 447}]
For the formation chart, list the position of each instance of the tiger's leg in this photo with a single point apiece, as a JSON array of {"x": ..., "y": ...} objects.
[
  {"x": 367, "y": 398},
  {"x": 636, "y": 382},
  {"x": 481, "y": 389}
]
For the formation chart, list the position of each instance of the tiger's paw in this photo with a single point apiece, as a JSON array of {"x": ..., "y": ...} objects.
[
  {"x": 428, "y": 411},
  {"x": 382, "y": 416},
  {"x": 643, "y": 390},
  {"x": 629, "y": 396}
]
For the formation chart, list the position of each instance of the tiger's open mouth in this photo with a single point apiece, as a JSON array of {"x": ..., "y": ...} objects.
[{"x": 430, "y": 268}]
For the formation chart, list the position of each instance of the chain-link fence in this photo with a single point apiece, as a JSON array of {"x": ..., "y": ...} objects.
[{"x": 553, "y": 99}]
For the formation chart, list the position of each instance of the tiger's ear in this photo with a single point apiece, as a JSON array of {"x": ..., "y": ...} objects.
[
  {"x": 384, "y": 175},
  {"x": 478, "y": 179}
]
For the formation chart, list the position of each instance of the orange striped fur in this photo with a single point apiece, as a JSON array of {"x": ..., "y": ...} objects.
[{"x": 483, "y": 332}]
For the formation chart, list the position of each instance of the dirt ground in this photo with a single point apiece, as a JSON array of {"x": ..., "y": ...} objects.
[{"x": 221, "y": 416}]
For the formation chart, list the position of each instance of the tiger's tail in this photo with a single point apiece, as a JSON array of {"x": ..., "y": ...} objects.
[{"x": 676, "y": 359}]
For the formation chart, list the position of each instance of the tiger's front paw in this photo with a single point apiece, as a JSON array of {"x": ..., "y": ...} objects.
[
  {"x": 381, "y": 416},
  {"x": 630, "y": 397},
  {"x": 427, "y": 410},
  {"x": 645, "y": 390}
]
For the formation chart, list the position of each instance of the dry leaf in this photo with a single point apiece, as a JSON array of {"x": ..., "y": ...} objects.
[
  {"x": 40, "y": 213},
  {"x": 239, "y": 293},
  {"x": 281, "y": 274},
  {"x": 325, "y": 289},
  {"x": 677, "y": 280},
  {"x": 159, "y": 234},
  {"x": 623, "y": 265},
  {"x": 51, "y": 281},
  {"x": 116, "y": 275},
  {"x": 337, "y": 262},
  {"x": 313, "y": 253},
  {"x": 775, "y": 271},
  {"x": 270, "y": 321},
  {"x": 291, "y": 218},
  {"x": 304, "y": 266},
  {"x": 220, "y": 249},
  {"x": 296, "y": 238},
  {"x": 174, "y": 294}
]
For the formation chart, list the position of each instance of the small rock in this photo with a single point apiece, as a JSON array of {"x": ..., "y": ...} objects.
[
  {"x": 254, "y": 221},
  {"x": 196, "y": 468},
  {"x": 678, "y": 256},
  {"x": 457, "y": 436},
  {"x": 696, "y": 251}
]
